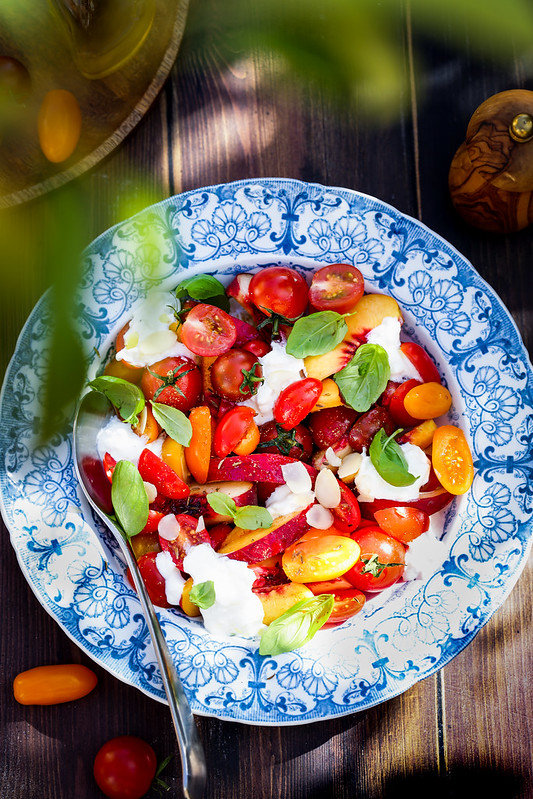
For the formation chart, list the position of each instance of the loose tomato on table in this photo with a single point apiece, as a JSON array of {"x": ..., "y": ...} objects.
[
  {"x": 236, "y": 374},
  {"x": 279, "y": 291},
  {"x": 452, "y": 460},
  {"x": 208, "y": 330},
  {"x": 381, "y": 563},
  {"x": 337, "y": 287},
  {"x": 232, "y": 428},
  {"x": 125, "y": 767},
  {"x": 296, "y": 401},
  {"x": 403, "y": 524},
  {"x": 173, "y": 381},
  {"x": 53, "y": 685}
]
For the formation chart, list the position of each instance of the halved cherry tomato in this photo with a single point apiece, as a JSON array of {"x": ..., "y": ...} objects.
[
  {"x": 109, "y": 466},
  {"x": 147, "y": 540},
  {"x": 381, "y": 563},
  {"x": 347, "y": 514},
  {"x": 153, "y": 470},
  {"x": 52, "y": 685},
  {"x": 296, "y": 401},
  {"x": 452, "y": 460},
  {"x": 258, "y": 347},
  {"x": 403, "y": 524},
  {"x": 397, "y": 408},
  {"x": 320, "y": 558},
  {"x": 173, "y": 381},
  {"x": 208, "y": 330},
  {"x": 231, "y": 429},
  {"x": 348, "y": 602},
  {"x": 279, "y": 290},
  {"x": 427, "y": 401},
  {"x": 125, "y": 767},
  {"x": 337, "y": 287},
  {"x": 152, "y": 578},
  {"x": 421, "y": 361},
  {"x": 236, "y": 374},
  {"x": 187, "y": 536}
]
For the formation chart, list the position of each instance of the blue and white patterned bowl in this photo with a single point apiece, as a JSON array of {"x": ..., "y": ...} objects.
[{"x": 405, "y": 633}]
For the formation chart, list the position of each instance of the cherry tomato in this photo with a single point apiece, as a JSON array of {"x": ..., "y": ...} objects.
[
  {"x": 257, "y": 347},
  {"x": 52, "y": 685},
  {"x": 279, "y": 290},
  {"x": 296, "y": 443},
  {"x": 319, "y": 558},
  {"x": 381, "y": 563},
  {"x": 124, "y": 768},
  {"x": 329, "y": 425},
  {"x": 347, "y": 514},
  {"x": 59, "y": 125},
  {"x": 421, "y": 361},
  {"x": 452, "y": 460},
  {"x": 403, "y": 524},
  {"x": 337, "y": 287},
  {"x": 173, "y": 381},
  {"x": 231, "y": 429},
  {"x": 365, "y": 428},
  {"x": 187, "y": 536},
  {"x": 296, "y": 401},
  {"x": 348, "y": 602},
  {"x": 152, "y": 579},
  {"x": 154, "y": 470},
  {"x": 427, "y": 401},
  {"x": 147, "y": 540},
  {"x": 397, "y": 408},
  {"x": 14, "y": 79},
  {"x": 208, "y": 330},
  {"x": 236, "y": 375}
]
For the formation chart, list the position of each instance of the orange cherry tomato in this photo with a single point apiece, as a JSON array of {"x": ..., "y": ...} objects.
[
  {"x": 231, "y": 429},
  {"x": 198, "y": 452},
  {"x": 51, "y": 685},
  {"x": 452, "y": 460},
  {"x": 59, "y": 125},
  {"x": 249, "y": 441},
  {"x": 427, "y": 401},
  {"x": 348, "y": 600},
  {"x": 320, "y": 558},
  {"x": 403, "y": 524}
]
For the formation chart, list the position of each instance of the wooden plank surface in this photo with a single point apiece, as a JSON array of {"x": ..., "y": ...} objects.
[{"x": 465, "y": 729}]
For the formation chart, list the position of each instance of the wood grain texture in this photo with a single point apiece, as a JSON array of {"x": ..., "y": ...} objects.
[{"x": 466, "y": 729}]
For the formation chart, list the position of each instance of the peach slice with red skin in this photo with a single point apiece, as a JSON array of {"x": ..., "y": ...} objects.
[
  {"x": 277, "y": 600},
  {"x": 256, "y": 545},
  {"x": 258, "y": 468},
  {"x": 367, "y": 314},
  {"x": 241, "y": 492}
]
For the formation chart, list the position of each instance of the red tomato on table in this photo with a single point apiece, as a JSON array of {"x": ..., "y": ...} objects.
[{"x": 124, "y": 768}]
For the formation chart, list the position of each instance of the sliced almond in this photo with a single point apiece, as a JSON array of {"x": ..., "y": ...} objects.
[
  {"x": 327, "y": 489},
  {"x": 349, "y": 467}
]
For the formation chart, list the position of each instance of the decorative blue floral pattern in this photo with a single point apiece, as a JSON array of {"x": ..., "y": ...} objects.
[{"x": 404, "y": 634}]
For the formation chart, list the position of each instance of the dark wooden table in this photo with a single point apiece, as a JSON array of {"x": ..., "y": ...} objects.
[{"x": 467, "y": 728}]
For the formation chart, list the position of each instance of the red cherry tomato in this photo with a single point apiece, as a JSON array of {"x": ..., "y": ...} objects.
[
  {"x": 124, "y": 768},
  {"x": 347, "y": 514},
  {"x": 381, "y": 563},
  {"x": 404, "y": 524},
  {"x": 397, "y": 408},
  {"x": 187, "y": 536},
  {"x": 231, "y": 429},
  {"x": 296, "y": 401},
  {"x": 421, "y": 361},
  {"x": 152, "y": 578},
  {"x": 257, "y": 347},
  {"x": 236, "y": 375},
  {"x": 337, "y": 287},
  {"x": 173, "y": 381},
  {"x": 329, "y": 425},
  {"x": 154, "y": 470},
  {"x": 208, "y": 330},
  {"x": 279, "y": 290},
  {"x": 296, "y": 443}
]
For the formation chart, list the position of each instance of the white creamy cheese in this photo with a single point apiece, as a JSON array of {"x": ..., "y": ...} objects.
[
  {"x": 279, "y": 370},
  {"x": 236, "y": 610},
  {"x": 424, "y": 556},
  {"x": 282, "y": 500},
  {"x": 371, "y": 485},
  {"x": 117, "y": 438},
  {"x": 148, "y": 338},
  {"x": 387, "y": 335},
  {"x": 174, "y": 580}
]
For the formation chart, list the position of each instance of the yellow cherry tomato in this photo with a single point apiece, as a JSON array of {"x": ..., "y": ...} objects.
[
  {"x": 427, "y": 401},
  {"x": 319, "y": 558},
  {"x": 59, "y": 125},
  {"x": 51, "y": 685},
  {"x": 452, "y": 460}
]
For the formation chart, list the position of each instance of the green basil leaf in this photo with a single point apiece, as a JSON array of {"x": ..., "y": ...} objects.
[
  {"x": 296, "y": 626},
  {"x": 389, "y": 460},
  {"x": 203, "y": 594},
  {"x": 253, "y": 517},
  {"x": 365, "y": 378},
  {"x": 316, "y": 334},
  {"x": 174, "y": 422},
  {"x": 126, "y": 397},
  {"x": 201, "y": 287},
  {"x": 129, "y": 498},
  {"x": 222, "y": 504}
]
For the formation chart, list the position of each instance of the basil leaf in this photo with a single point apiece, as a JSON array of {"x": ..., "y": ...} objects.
[
  {"x": 203, "y": 594},
  {"x": 389, "y": 460},
  {"x": 222, "y": 504},
  {"x": 316, "y": 334},
  {"x": 200, "y": 287},
  {"x": 174, "y": 422},
  {"x": 296, "y": 626},
  {"x": 365, "y": 378},
  {"x": 129, "y": 498},
  {"x": 126, "y": 397},
  {"x": 253, "y": 517}
]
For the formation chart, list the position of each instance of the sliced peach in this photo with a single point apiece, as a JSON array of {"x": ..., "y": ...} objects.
[
  {"x": 188, "y": 607},
  {"x": 241, "y": 492},
  {"x": 258, "y": 468},
  {"x": 330, "y": 397},
  {"x": 421, "y": 435},
  {"x": 280, "y": 598},
  {"x": 173, "y": 454},
  {"x": 370, "y": 312},
  {"x": 147, "y": 425},
  {"x": 322, "y": 366},
  {"x": 255, "y": 545}
]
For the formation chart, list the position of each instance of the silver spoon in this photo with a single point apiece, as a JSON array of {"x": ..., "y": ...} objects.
[{"x": 92, "y": 414}]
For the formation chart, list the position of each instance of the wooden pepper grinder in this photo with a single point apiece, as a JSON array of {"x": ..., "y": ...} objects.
[{"x": 491, "y": 175}]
